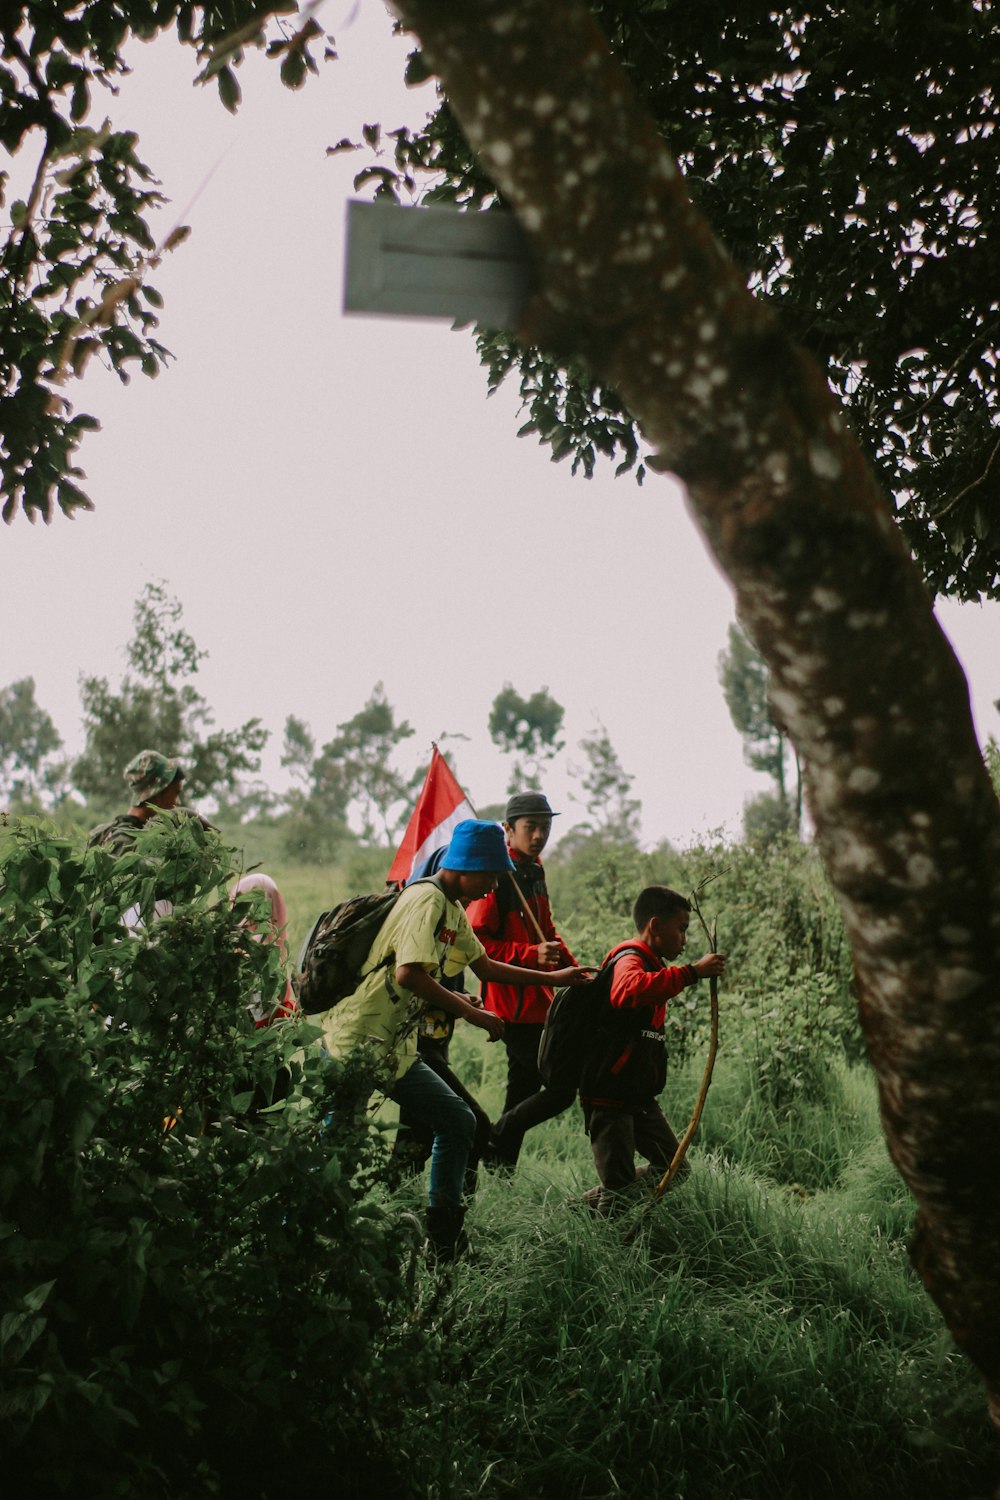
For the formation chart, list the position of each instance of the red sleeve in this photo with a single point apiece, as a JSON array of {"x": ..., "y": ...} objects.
[
  {"x": 633, "y": 985},
  {"x": 484, "y": 916}
]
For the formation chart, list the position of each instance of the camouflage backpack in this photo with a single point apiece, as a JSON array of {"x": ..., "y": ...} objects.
[{"x": 334, "y": 953}]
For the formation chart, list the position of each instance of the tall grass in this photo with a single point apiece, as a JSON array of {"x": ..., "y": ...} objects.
[{"x": 750, "y": 1337}]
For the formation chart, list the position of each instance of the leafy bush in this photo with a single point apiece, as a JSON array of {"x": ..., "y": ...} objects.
[
  {"x": 594, "y": 883},
  {"x": 788, "y": 1001},
  {"x": 198, "y": 1286}
]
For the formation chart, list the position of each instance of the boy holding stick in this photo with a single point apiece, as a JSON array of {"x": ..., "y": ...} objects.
[
  {"x": 515, "y": 926},
  {"x": 626, "y": 1067}
]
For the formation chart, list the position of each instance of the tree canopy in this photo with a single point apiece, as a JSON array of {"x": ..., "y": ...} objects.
[
  {"x": 846, "y": 157},
  {"x": 845, "y": 154},
  {"x": 354, "y": 774},
  {"x": 527, "y": 729}
]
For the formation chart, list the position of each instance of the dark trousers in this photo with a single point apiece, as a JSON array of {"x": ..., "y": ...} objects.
[
  {"x": 615, "y": 1137},
  {"x": 528, "y": 1101},
  {"x": 453, "y": 1126},
  {"x": 415, "y": 1137}
]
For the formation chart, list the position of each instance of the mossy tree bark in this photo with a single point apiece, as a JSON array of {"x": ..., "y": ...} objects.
[{"x": 630, "y": 279}]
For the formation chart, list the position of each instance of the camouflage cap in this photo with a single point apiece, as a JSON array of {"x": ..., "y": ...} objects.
[{"x": 150, "y": 772}]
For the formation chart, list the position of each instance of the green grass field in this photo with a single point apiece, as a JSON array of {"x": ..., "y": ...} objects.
[
  {"x": 749, "y": 1336},
  {"x": 762, "y": 1335}
]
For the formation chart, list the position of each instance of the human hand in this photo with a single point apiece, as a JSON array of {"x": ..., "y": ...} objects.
[
  {"x": 488, "y": 1022},
  {"x": 710, "y": 965},
  {"x": 549, "y": 955},
  {"x": 579, "y": 974}
]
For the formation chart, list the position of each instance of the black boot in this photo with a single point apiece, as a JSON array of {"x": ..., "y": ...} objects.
[{"x": 446, "y": 1236}]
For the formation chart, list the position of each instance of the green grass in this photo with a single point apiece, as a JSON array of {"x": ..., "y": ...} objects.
[{"x": 753, "y": 1339}]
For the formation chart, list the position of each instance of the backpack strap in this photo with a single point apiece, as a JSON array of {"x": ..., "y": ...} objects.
[
  {"x": 613, "y": 958},
  {"x": 384, "y": 964}
]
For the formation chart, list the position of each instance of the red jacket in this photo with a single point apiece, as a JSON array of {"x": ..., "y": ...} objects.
[
  {"x": 627, "y": 1064},
  {"x": 633, "y": 985},
  {"x": 499, "y": 923}
]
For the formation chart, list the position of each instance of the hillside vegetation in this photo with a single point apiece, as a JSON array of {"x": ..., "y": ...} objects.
[{"x": 239, "y": 1303}]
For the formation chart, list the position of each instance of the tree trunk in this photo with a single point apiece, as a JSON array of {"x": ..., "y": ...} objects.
[
  {"x": 782, "y": 789},
  {"x": 630, "y": 279}
]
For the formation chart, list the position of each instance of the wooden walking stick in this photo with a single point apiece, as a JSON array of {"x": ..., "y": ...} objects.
[{"x": 713, "y": 1047}]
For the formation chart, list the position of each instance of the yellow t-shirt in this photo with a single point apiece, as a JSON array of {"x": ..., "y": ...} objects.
[{"x": 424, "y": 928}]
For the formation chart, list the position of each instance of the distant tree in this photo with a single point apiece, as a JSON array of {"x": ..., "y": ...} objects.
[
  {"x": 28, "y": 742},
  {"x": 157, "y": 706},
  {"x": 745, "y": 684},
  {"x": 353, "y": 775},
  {"x": 298, "y": 749},
  {"x": 528, "y": 729},
  {"x": 606, "y": 786},
  {"x": 991, "y": 755},
  {"x": 314, "y": 821},
  {"x": 765, "y": 819},
  {"x": 493, "y": 812}
]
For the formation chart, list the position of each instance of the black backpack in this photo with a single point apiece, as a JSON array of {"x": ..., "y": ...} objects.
[
  {"x": 573, "y": 1025},
  {"x": 333, "y": 956}
]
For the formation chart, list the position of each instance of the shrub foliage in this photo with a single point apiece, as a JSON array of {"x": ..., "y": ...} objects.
[{"x": 198, "y": 1284}]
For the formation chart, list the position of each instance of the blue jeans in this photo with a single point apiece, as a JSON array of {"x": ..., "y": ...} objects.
[{"x": 427, "y": 1098}]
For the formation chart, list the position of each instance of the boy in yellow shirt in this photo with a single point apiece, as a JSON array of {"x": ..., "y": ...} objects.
[{"x": 427, "y": 936}]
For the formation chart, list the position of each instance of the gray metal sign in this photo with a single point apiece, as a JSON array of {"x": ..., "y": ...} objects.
[{"x": 435, "y": 263}]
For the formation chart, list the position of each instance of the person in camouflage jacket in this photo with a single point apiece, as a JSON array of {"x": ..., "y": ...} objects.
[{"x": 155, "y": 782}]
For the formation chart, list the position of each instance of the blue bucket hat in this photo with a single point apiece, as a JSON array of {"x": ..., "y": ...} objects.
[{"x": 477, "y": 845}]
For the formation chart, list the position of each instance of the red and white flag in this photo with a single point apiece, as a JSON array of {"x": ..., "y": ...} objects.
[{"x": 441, "y": 805}]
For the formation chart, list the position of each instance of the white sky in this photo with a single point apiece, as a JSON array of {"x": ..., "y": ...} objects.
[{"x": 335, "y": 502}]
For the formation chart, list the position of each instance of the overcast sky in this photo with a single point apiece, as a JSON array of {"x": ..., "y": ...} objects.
[{"x": 335, "y": 502}]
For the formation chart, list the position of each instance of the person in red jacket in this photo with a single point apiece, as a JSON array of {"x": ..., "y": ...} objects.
[
  {"x": 626, "y": 1067},
  {"x": 509, "y": 936}
]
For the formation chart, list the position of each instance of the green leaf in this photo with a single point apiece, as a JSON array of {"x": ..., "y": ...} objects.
[
  {"x": 229, "y": 89},
  {"x": 80, "y": 103},
  {"x": 293, "y": 69},
  {"x": 38, "y": 1296},
  {"x": 416, "y": 71}
]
